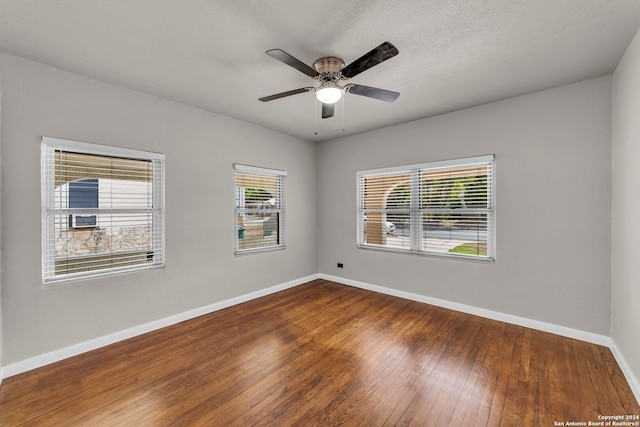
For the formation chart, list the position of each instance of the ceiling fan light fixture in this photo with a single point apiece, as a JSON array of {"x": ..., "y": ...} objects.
[{"x": 329, "y": 94}]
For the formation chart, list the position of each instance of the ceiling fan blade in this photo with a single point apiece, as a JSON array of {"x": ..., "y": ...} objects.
[
  {"x": 380, "y": 54},
  {"x": 283, "y": 94},
  {"x": 327, "y": 110},
  {"x": 373, "y": 92},
  {"x": 283, "y": 56}
]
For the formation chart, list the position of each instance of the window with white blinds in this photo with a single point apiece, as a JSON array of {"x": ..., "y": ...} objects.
[
  {"x": 102, "y": 210},
  {"x": 260, "y": 209},
  {"x": 442, "y": 208}
]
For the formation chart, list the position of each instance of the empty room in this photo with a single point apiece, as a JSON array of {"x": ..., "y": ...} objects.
[{"x": 279, "y": 213}]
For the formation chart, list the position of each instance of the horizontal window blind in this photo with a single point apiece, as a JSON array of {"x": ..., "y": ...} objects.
[
  {"x": 102, "y": 210},
  {"x": 260, "y": 209},
  {"x": 441, "y": 208}
]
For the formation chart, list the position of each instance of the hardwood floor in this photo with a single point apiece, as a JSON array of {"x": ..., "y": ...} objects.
[{"x": 326, "y": 354}]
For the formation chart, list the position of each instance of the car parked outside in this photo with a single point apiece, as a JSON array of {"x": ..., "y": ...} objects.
[{"x": 389, "y": 227}]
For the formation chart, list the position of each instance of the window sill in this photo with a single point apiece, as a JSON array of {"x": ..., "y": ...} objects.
[
  {"x": 259, "y": 250},
  {"x": 441, "y": 255}
]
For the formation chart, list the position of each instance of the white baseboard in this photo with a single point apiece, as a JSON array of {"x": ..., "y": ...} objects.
[
  {"x": 508, "y": 318},
  {"x": 83, "y": 347},
  {"x": 74, "y": 350},
  {"x": 489, "y": 314},
  {"x": 626, "y": 370}
]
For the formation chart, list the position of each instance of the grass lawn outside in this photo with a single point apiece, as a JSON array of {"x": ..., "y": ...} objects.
[{"x": 471, "y": 249}]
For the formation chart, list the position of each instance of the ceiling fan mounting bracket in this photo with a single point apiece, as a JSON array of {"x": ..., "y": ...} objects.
[{"x": 328, "y": 64}]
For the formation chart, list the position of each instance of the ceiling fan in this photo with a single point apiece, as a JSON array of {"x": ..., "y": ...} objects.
[{"x": 329, "y": 71}]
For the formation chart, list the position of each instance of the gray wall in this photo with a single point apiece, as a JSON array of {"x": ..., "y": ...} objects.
[
  {"x": 1, "y": 241},
  {"x": 626, "y": 207},
  {"x": 553, "y": 172},
  {"x": 553, "y": 157},
  {"x": 201, "y": 147}
]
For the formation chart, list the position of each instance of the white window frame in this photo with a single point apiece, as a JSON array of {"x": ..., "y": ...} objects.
[
  {"x": 415, "y": 211},
  {"x": 241, "y": 210},
  {"x": 49, "y": 210}
]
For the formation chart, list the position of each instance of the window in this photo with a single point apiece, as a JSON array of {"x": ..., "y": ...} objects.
[
  {"x": 102, "y": 210},
  {"x": 260, "y": 209},
  {"x": 441, "y": 208}
]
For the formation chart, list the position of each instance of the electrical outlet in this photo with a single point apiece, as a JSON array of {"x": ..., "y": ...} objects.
[{"x": 340, "y": 265}]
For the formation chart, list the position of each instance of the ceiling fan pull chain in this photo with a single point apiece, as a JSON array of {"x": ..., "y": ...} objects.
[
  {"x": 315, "y": 101},
  {"x": 342, "y": 100}
]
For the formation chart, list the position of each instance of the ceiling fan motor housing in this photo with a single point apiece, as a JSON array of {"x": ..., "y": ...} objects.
[{"x": 328, "y": 67}]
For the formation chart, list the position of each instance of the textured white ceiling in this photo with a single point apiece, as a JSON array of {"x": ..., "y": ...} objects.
[{"x": 210, "y": 53}]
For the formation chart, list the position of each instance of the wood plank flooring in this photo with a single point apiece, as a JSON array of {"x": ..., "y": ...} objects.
[{"x": 325, "y": 354}]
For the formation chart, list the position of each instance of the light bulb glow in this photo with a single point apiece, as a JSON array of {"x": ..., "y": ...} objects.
[{"x": 329, "y": 94}]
